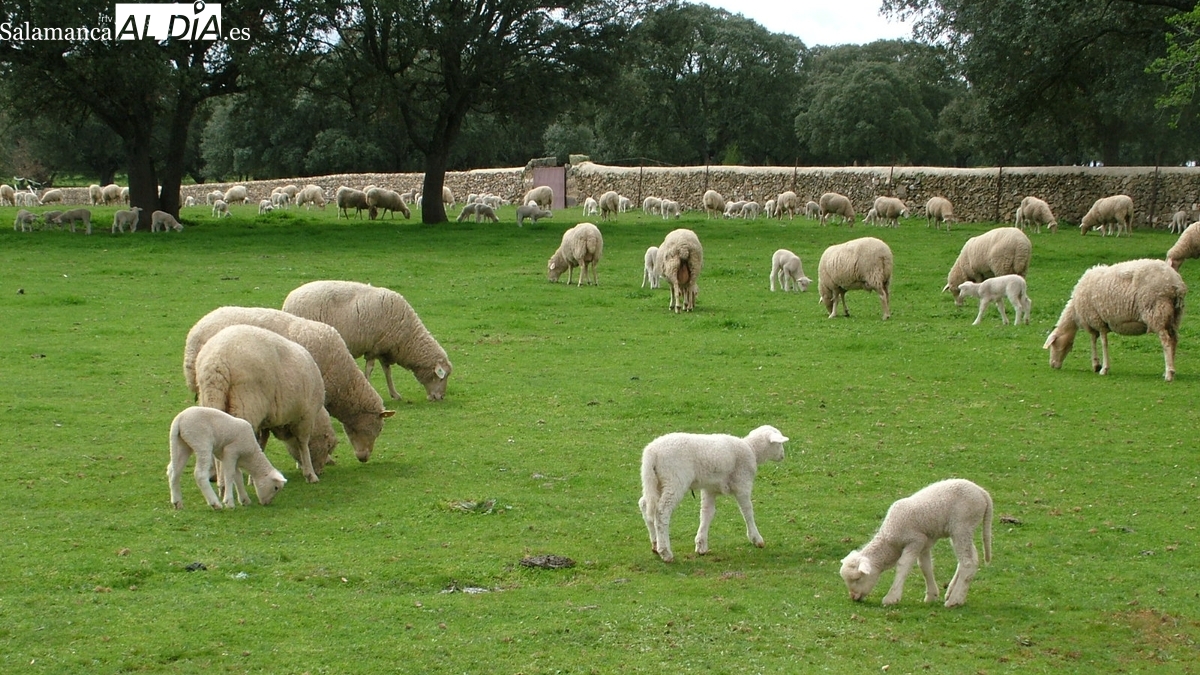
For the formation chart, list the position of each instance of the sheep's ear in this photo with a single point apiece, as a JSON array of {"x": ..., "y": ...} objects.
[
  {"x": 386, "y": 414},
  {"x": 441, "y": 373},
  {"x": 1050, "y": 339},
  {"x": 864, "y": 566},
  {"x": 778, "y": 438},
  {"x": 945, "y": 288}
]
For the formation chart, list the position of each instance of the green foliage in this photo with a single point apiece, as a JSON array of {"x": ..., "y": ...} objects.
[{"x": 535, "y": 451}]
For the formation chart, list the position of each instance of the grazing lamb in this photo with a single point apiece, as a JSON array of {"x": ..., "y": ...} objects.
[
  {"x": 214, "y": 196},
  {"x": 734, "y": 209},
  {"x": 1109, "y": 214},
  {"x": 624, "y": 204},
  {"x": 1128, "y": 298},
  {"x": 124, "y": 195},
  {"x": 52, "y": 196},
  {"x": 532, "y": 213},
  {"x": 190, "y": 201},
  {"x": 680, "y": 260},
  {"x": 812, "y": 210},
  {"x": 386, "y": 200},
  {"x": 1034, "y": 212},
  {"x": 272, "y": 383},
  {"x": 311, "y": 194},
  {"x": 591, "y": 207},
  {"x": 939, "y": 210},
  {"x": 376, "y": 323},
  {"x": 349, "y": 396},
  {"x": 265, "y": 206},
  {"x": 834, "y": 204},
  {"x": 543, "y": 195},
  {"x": 73, "y": 216},
  {"x": 890, "y": 209},
  {"x": 994, "y": 290},
  {"x": 213, "y": 434},
  {"x": 128, "y": 217},
  {"x": 95, "y": 194},
  {"x": 161, "y": 220},
  {"x": 220, "y": 209},
  {"x": 750, "y": 210},
  {"x": 52, "y": 218},
  {"x": 348, "y": 198},
  {"x": 1178, "y": 222},
  {"x": 674, "y": 464},
  {"x": 236, "y": 195},
  {"x": 582, "y": 246},
  {"x": 787, "y": 269},
  {"x": 787, "y": 202},
  {"x": 24, "y": 221},
  {"x": 649, "y": 205},
  {"x": 670, "y": 209},
  {"x": 950, "y": 508},
  {"x": 714, "y": 203},
  {"x": 610, "y": 204},
  {"x": 1187, "y": 246},
  {"x": 447, "y": 197},
  {"x": 769, "y": 209},
  {"x": 8, "y": 195},
  {"x": 1003, "y": 250},
  {"x": 864, "y": 263},
  {"x": 111, "y": 193},
  {"x": 649, "y": 271}
]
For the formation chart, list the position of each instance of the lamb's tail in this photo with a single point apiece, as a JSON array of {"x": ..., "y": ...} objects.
[
  {"x": 987, "y": 528},
  {"x": 651, "y": 487}
]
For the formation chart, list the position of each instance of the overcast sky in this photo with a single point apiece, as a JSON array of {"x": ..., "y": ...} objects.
[{"x": 820, "y": 22}]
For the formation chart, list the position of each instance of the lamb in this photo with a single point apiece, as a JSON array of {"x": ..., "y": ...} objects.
[
  {"x": 812, "y": 210},
  {"x": 949, "y": 508},
  {"x": 128, "y": 217},
  {"x": 348, "y": 198},
  {"x": 872, "y": 217},
  {"x": 349, "y": 396},
  {"x": 95, "y": 194},
  {"x": 769, "y": 208},
  {"x": 214, "y": 197},
  {"x": 543, "y": 195},
  {"x": 220, "y": 209},
  {"x": 376, "y": 323},
  {"x": 649, "y": 205},
  {"x": 1109, "y": 214},
  {"x": 582, "y": 246},
  {"x": 939, "y": 210},
  {"x": 265, "y": 206},
  {"x": 73, "y": 216},
  {"x": 1128, "y": 298},
  {"x": 1187, "y": 246},
  {"x": 1034, "y": 212},
  {"x": 649, "y": 271},
  {"x": 864, "y": 263},
  {"x": 994, "y": 290},
  {"x": 834, "y": 204},
  {"x": 714, "y": 203},
  {"x": 624, "y": 204},
  {"x": 610, "y": 203},
  {"x": 27, "y": 199},
  {"x": 531, "y": 212},
  {"x": 1178, "y": 221},
  {"x": 787, "y": 202},
  {"x": 52, "y": 218},
  {"x": 111, "y": 193},
  {"x": 670, "y": 208},
  {"x": 674, "y": 464},
  {"x": 8, "y": 195},
  {"x": 236, "y": 195},
  {"x": 52, "y": 196},
  {"x": 164, "y": 221},
  {"x": 492, "y": 201},
  {"x": 890, "y": 209},
  {"x": 680, "y": 260},
  {"x": 124, "y": 195},
  {"x": 734, "y": 209},
  {"x": 386, "y": 200},
  {"x": 447, "y": 197},
  {"x": 480, "y": 211},
  {"x": 787, "y": 269},
  {"x": 190, "y": 201},
  {"x": 212, "y": 434},
  {"x": 1003, "y": 250},
  {"x": 750, "y": 210},
  {"x": 311, "y": 194},
  {"x": 591, "y": 207},
  {"x": 24, "y": 221}
]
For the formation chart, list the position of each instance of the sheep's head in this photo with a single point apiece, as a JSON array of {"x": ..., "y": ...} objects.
[
  {"x": 363, "y": 429},
  {"x": 266, "y": 487},
  {"x": 955, "y": 290},
  {"x": 859, "y": 574},
  {"x": 434, "y": 379},
  {"x": 554, "y": 270},
  {"x": 1059, "y": 343},
  {"x": 804, "y": 282}
]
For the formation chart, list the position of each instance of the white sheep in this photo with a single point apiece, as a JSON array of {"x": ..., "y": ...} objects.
[
  {"x": 610, "y": 204},
  {"x": 52, "y": 218},
  {"x": 447, "y": 197},
  {"x": 1128, "y": 298},
  {"x": 769, "y": 208},
  {"x": 124, "y": 197},
  {"x": 51, "y": 196},
  {"x": 311, "y": 194},
  {"x": 582, "y": 246},
  {"x": 493, "y": 201},
  {"x": 994, "y": 290},
  {"x": 812, "y": 210},
  {"x": 212, "y": 434},
  {"x": 190, "y": 201},
  {"x": 680, "y": 260},
  {"x": 787, "y": 269},
  {"x": 76, "y": 215},
  {"x": 591, "y": 207},
  {"x": 939, "y": 210},
  {"x": 280, "y": 200},
  {"x": 543, "y": 195},
  {"x": 649, "y": 205},
  {"x": 220, "y": 209},
  {"x": 532, "y": 213},
  {"x": 787, "y": 202},
  {"x": 1109, "y": 214},
  {"x": 480, "y": 211},
  {"x": 111, "y": 193},
  {"x": 236, "y": 195},
  {"x": 1179, "y": 220},
  {"x": 214, "y": 196},
  {"x": 25, "y": 220},
  {"x": 386, "y": 200},
  {"x": 834, "y": 204},
  {"x": 1034, "y": 212},
  {"x": 750, "y": 210},
  {"x": 949, "y": 508},
  {"x": 890, "y": 209},
  {"x": 348, "y": 198},
  {"x": 864, "y": 263},
  {"x": 872, "y": 217},
  {"x": 714, "y": 203},
  {"x": 376, "y": 323},
  {"x": 95, "y": 194},
  {"x": 670, "y": 209},
  {"x": 733, "y": 209},
  {"x": 1187, "y": 246},
  {"x": 161, "y": 220},
  {"x": 624, "y": 204},
  {"x": 1003, "y": 250},
  {"x": 349, "y": 396},
  {"x": 127, "y": 217},
  {"x": 649, "y": 271},
  {"x": 677, "y": 463},
  {"x": 265, "y": 206},
  {"x": 8, "y": 195}
]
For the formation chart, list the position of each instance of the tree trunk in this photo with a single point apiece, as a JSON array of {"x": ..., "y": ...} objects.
[
  {"x": 172, "y": 174},
  {"x": 143, "y": 182},
  {"x": 432, "y": 208}
]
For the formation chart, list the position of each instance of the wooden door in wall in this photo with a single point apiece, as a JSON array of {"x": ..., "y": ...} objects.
[{"x": 556, "y": 178}]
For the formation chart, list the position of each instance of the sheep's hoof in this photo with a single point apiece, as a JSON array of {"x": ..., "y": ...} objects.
[
  {"x": 760, "y": 544},
  {"x": 1169, "y": 376},
  {"x": 312, "y": 478},
  {"x": 177, "y": 505}
]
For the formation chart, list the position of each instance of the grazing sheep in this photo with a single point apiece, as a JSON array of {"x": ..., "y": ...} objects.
[
  {"x": 27, "y": 199},
  {"x": 161, "y": 220},
  {"x": 51, "y": 196},
  {"x": 531, "y": 212},
  {"x": 542, "y": 195},
  {"x": 128, "y": 217},
  {"x": 265, "y": 206},
  {"x": 610, "y": 203},
  {"x": 214, "y": 196},
  {"x": 213, "y": 434},
  {"x": 376, "y": 323},
  {"x": 1034, "y": 212},
  {"x": 994, "y": 290},
  {"x": 812, "y": 210},
  {"x": 677, "y": 463},
  {"x": 750, "y": 210},
  {"x": 769, "y": 208},
  {"x": 1109, "y": 214},
  {"x": 480, "y": 211},
  {"x": 124, "y": 195},
  {"x": 8, "y": 195},
  {"x": 493, "y": 201},
  {"x": 1128, "y": 298},
  {"x": 348, "y": 198},
  {"x": 872, "y": 217},
  {"x": 649, "y": 271},
  {"x": 220, "y": 209},
  {"x": 1178, "y": 221},
  {"x": 95, "y": 194},
  {"x": 1187, "y": 246},
  {"x": 24, "y": 221},
  {"x": 787, "y": 269},
  {"x": 447, "y": 197},
  {"x": 670, "y": 209},
  {"x": 582, "y": 246},
  {"x": 939, "y": 210},
  {"x": 349, "y": 396},
  {"x": 190, "y": 201},
  {"x": 649, "y": 205},
  {"x": 272, "y": 383},
  {"x": 73, "y": 216},
  {"x": 734, "y": 209},
  {"x": 111, "y": 193},
  {"x": 1003, "y": 250},
  {"x": 787, "y": 202},
  {"x": 950, "y": 508},
  {"x": 624, "y": 204},
  {"x": 386, "y": 200},
  {"x": 280, "y": 200},
  {"x": 714, "y": 203},
  {"x": 864, "y": 263},
  {"x": 834, "y": 204},
  {"x": 52, "y": 218},
  {"x": 680, "y": 260},
  {"x": 890, "y": 209},
  {"x": 311, "y": 194},
  {"x": 236, "y": 195},
  {"x": 591, "y": 207}
]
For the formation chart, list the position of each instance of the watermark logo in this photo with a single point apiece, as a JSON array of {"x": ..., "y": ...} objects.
[{"x": 180, "y": 21}]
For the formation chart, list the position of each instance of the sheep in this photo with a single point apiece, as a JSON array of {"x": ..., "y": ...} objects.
[
  {"x": 994, "y": 290},
  {"x": 348, "y": 198},
  {"x": 220, "y": 209},
  {"x": 1128, "y": 298},
  {"x": 376, "y": 323},
  {"x": 734, "y": 209},
  {"x": 265, "y": 206},
  {"x": 713, "y": 202},
  {"x": 750, "y": 210},
  {"x": 872, "y": 217},
  {"x": 582, "y": 246},
  {"x": 834, "y": 204},
  {"x": 1115, "y": 212},
  {"x": 531, "y": 212},
  {"x": 649, "y": 205},
  {"x": 592, "y": 208},
  {"x": 124, "y": 197},
  {"x": 787, "y": 202},
  {"x": 493, "y": 201},
  {"x": 670, "y": 208},
  {"x": 890, "y": 209},
  {"x": 272, "y": 383},
  {"x": 190, "y": 201},
  {"x": 949, "y": 508},
  {"x": 95, "y": 194},
  {"x": 447, "y": 197},
  {"x": 787, "y": 269},
  {"x": 610, "y": 203},
  {"x": 8, "y": 195},
  {"x": 213, "y": 434},
  {"x": 1034, "y": 212},
  {"x": 1003, "y": 250},
  {"x": 128, "y": 217},
  {"x": 1187, "y": 246},
  {"x": 51, "y": 196},
  {"x": 26, "y": 199},
  {"x": 24, "y": 221},
  {"x": 214, "y": 197},
  {"x": 73, "y": 216},
  {"x": 769, "y": 208},
  {"x": 624, "y": 204},
  {"x": 680, "y": 260},
  {"x": 349, "y": 396},
  {"x": 291, "y": 191},
  {"x": 812, "y": 210},
  {"x": 386, "y": 200},
  {"x": 674, "y": 464},
  {"x": 1178, "y": 221},
  {"x": 543, "y": 195},
  {"x": 649, "y": 271},
  {"x": 939, "y": 210},
  {"x": 480, "y": 211},
  {"x": 111, "y": 193},
  {"x": 311, "y": 194},
  {"x": 864, "y": 263},
  {"x": 164, "y": 221},
  {"x": 52, "y": 218},
  {"x": 236, "y": 195}
]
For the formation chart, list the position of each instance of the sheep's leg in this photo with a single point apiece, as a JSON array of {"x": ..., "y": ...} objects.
[
  {"x": 179, "y": 457},
  {"x": 907, "y": 558},
  {"x": 1103, "y": 351},
  {"x": 1169, "y": 340},
  {"x": 1095, "y": 361},
  {"x": 774, "y": 273},
  {"x": 667, "y": 501},
  {"x": 842, "y": 296},
  {"x": 233, "y": 483},
  {"x": 968, "y": 564},
  {"x": 926, "y": 561},
  {"x": 298, "y": 448},
  {"x": 368, "y": 366},
  {"x": 203, "y": 472},
  {"x": 743, "y": 500},
  {"x": 885, "y": 301},
  {"x": 650, "y": 514},
  {"x": 1000, "y": 306},
  {"x": 387, "y": 375},
  {"x": 982, "y": 310},
  {"x": 708, "y": 509}
]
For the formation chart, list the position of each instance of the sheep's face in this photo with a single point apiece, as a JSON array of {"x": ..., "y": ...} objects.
[
  {"x": 434, "y": 380},
  {"x": 268, "y": 486},
  {"x": 804, "y": 282},
  {"x": 553, "y": 271},
  {"x": 362, "y": 431},
  {"x": 859, "y": 575},
  {"x": 1060, "y": 345}
]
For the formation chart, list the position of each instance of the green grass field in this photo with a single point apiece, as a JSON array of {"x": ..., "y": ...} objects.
[{"x": 555, "y": 391}]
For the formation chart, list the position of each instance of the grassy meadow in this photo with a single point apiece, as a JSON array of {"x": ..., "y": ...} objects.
[{"x": 410, "y": 563}]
